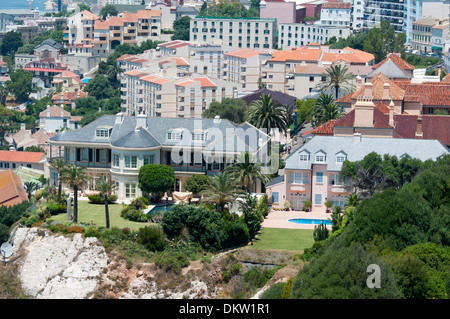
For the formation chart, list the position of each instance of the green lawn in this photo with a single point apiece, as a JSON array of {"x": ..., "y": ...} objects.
[
  {"x": 96, "y": 212},
  {"x": 284, "y": 239}
]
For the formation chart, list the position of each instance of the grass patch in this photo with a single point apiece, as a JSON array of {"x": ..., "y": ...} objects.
[
  {"x": 284, "y": 239},
  {"x": 96, "y": 212}
]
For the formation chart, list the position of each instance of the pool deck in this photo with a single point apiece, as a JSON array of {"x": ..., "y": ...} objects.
[{"x": 280, "y": 219}]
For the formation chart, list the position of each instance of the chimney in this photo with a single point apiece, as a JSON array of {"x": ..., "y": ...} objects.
[
  {"x": 385, "y": 91},
  {"x": 141, "y": 121},
  {"x": 368, "y": 89},
  {"x": 119, "y": 118},
  {"x": 391, "y": 113},
  {"x": 48, "y": 110},
  {"x": 419, "y": 132},
  {"x": 358, "y": 83},
  {"x": 216, "y": 119},
  {"x": 22, "y": 126},
  {"x": 357, "y": 137}
]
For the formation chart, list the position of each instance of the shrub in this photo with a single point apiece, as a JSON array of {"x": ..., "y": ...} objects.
[
  {"x": 54, "y": 208},
  {"x": 274, "y": 292},
  {"x": 320, "y": 232},
  {"x": 31, "y": 221},
  {"x": 99, "y": 199},
  {"x": 258, "y": 277},
  {"x": 172, "y": 261},
  {"x": 38, "y": 194},
  {"x": 136, "y": 215},
  {"x": 92, "y": 232},
  {"x": 75, "y": 229},
  {"x": 152, "y": 238},
  {"x": 4, "y": 233}
]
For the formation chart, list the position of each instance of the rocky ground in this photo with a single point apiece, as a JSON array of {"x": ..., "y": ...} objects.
[{"x": 73, "y": 267}]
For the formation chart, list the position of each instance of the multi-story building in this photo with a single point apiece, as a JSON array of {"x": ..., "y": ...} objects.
[
  {"x": 279, "y": 72},
  {"x": 291, "y": 35},
  {"x": 206, "y": 59},
  {"x": 243, "y": 67},
  {"x": 116, "y": 147},
  {"x": 376, "y": 11},
  {"x": 235, "y": 33},
  {"x": 336, "y": 14},
  {"x": 422, "y": 33},
  {"x": 358, "y": 14}
]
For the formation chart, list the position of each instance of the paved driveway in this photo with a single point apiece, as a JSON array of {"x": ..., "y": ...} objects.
[{"x": 280, "y": 219}]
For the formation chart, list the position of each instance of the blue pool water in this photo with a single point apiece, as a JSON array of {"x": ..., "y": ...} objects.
[
  {"x": 310, "y": 221},
  {"x": 161, "y": 208}
]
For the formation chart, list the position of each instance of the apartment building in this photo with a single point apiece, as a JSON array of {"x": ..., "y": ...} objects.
[
  {"x": 422, "y": 32},
  {"x": 165, "y": 94},
  {"x": 291, "y": 35},
  {"x": 439, "y": 35},
  {"x": 206, "y": 59},
  {"x": 116, "y": 147},
  {"x": 235, "y": 33},
  {"x": 279, "y": 72},
  {"x": 336, "y": 14},
  {"x": 376, "y": 11},
  {"x": 243, "y": 68},
  {"x": 312, "y": 171}
]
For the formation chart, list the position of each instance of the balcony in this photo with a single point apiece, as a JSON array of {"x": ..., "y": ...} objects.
[{"x": 299, "y": 187}]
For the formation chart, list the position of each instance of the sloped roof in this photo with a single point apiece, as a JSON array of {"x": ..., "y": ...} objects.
[
  {"x": 396, "y": 92},
  {"x": 21, "y": 157},
  {"x": 380, "y": 120},
  {"x": 324, "y": 129},
  {"x": 55, "y": 111},
  {"x": 281, "y": 98},
  {"x": 395, "y": 58},
  {"x": 296, "y": 54},
  {"x": 434, "y": 94},
  {"x": 12, "y": 191}
]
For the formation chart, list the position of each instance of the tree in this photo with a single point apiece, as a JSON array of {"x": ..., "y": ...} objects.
[
  {"x": 383, "y": 40},
  {"x": 106, "y": 188},
  {"x": 58, "y": 164},
  {"x": 246, "y": 169},
  {"x": 156, "y": 178},
  {"x": 222, "y": 190},
  {"x": 99, "y": 87},
  {"x": 20, "y": 84},
  {"x": 337, "y": 78},
  {"x": 325, "y": 110},
  {"x": 181, "y": 28},
  {"x": 11, "y": 41},
  {"x": 305, "y": 111},
  {"x": 320, "y": 232},
  {"x": 30, "y": 187},
  {"x": 75, "y": 177},
  {"x": 3, "y": 94},
  {"x": 268, "y": 114},
  {"x": 229, "y": 109},
  {"x": 197, "y": 183},
  {"x": 108, "y": 10}
]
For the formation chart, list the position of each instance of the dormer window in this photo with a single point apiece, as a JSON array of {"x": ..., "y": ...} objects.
[
  {"x": 175, "y": 135},
  {"x": 321, "y": 157},
  {"x": 341, "y": 157},
  {"x": 102, "y": 132},
  {"x": 198, "y": 135}
]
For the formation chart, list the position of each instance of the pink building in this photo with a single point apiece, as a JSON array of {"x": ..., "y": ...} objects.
[{"x": 284, "y": 12}]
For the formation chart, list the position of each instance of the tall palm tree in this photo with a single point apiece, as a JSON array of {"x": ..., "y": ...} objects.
[
  {"x": 325, "y": 110},
  {"x": 266, "y": 113},
  {"x": 76, "y": 177},
  {"x": 222, "y": 190},
  {"x": 30, "y": 187},
  {"x": 58, "y": 164},
  {"x": 106, "y": 188},
  {"x": 337, "y": 78},
  {"x": 245, "y": 169}
]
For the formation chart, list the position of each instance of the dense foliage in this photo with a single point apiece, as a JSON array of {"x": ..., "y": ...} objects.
[{"x": 156, "y": 178}]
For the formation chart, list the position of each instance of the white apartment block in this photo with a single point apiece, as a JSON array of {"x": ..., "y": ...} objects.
[
  {"x": 358, "y": 14},
  {"x": 336, "y": 14},
  {"x": 235, "y": 33},
  {"x": 243, "y": 67},
  {"x": 206, "y": 59},
  {"x": 292, "y": 35}
]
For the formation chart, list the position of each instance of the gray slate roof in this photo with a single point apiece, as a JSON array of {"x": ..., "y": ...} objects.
[
  {"x": 223, "y": 136},
  {"x": 391, "y": 70},
  {"x": 355, "y": 151}
]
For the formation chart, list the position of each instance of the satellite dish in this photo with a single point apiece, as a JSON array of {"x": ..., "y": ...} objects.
[{"x": 6, "y": 250}]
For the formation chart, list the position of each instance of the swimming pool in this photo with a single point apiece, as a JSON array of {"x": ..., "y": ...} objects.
[
  {"x": 160, "y": 209},
  {"x": 310, "y": 221}
]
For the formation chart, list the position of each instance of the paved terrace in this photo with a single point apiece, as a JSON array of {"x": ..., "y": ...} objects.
[{"x": 280, "y": 219}]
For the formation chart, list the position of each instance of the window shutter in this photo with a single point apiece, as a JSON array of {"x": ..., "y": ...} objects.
[{"x": 78, "y": 154}]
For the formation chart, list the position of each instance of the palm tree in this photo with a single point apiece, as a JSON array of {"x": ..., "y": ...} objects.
[
  {"x": 106, "y": 188},
  {"x": 76, "y": 177},
  {"x": 58, "y": 164},
  {"x": 30, "y": 187},
  {"x": 337, "y": 77},
  {"x": 222, "y": 190},
  {"x": 266, "y": 113},
  {"x": 325, "y": 110},
  {"x": 245, "y": 169},
  {"x": 353, "y": 200}
]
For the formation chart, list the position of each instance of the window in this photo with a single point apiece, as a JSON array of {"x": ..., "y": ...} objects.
[
  {"x": 102, "y": 132},
  {"x": 174, "y": 135},
  {"x": 319, "y": 177},
  {"x": 304, "y": 157},
  {"x": 335, "y": 180},
  {"x": 149, "y": 159},
  {"x": 116, "y": 159},
  {"x": 215, "y": 166},
  {"x": 321, "y": 157},
  {"x": 85, "y": 154},
  {"x": 318, "y": 199},
  {"x": 311, "y": 79},
  {"x": 198, "y": 136},
  {"x": 340, "y": 158},
  {"x": 275, "y": 197},
  {"x": 130, "y": 161},
  {"x": 104, "y": 156},
  {"x": 298, "y": 178},
  {"x": 130, "y": 190}
]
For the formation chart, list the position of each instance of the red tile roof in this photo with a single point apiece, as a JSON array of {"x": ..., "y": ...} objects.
[
  {"x": 21, "y": 157},
  {"x": 324, "y": 129},
  {"x": 380, "y": 120},
  {"x": 12, "y": 191},
  {"x": 435, "y": 94},
  {"x": 395, "y": 57}
]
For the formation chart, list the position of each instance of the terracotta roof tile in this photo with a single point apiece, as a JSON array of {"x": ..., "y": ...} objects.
[
  {"x": 394, "y": 57},
  {"x": 324, "y": 129},
  {"x": 205, "y": 82},
  {"x": 21, "y": 157},
  {"x": 12, "y": 191}
]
